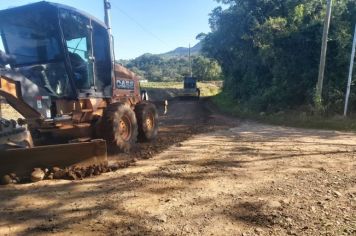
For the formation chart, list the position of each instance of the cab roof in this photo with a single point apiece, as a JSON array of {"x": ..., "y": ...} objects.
[{"x": 45, "y": 4}]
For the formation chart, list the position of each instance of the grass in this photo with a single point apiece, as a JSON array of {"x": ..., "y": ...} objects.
[
  {"x": 162, "y": 85},
  {"x": 297, "y": 119},
  {"x": 207, "y": 89}
]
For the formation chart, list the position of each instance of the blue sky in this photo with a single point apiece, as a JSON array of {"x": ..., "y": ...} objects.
[{"x": 146, "y": 26}]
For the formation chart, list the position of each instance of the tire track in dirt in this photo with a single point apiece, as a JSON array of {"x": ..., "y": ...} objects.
[{"x": 206, "y": 179}]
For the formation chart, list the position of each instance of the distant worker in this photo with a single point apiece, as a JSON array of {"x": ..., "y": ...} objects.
[
  {"x": 144, "y": 95},
  {"x": 165, "y": 107}
]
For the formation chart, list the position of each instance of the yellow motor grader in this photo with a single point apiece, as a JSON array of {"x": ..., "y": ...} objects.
[{"x": 58, "y": 71}]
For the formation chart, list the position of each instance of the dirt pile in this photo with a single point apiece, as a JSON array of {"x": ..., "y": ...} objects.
[{"x": 72, "y": 173}]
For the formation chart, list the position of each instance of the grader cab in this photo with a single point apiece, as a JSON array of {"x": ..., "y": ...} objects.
[{"x": 58, "y": 71}]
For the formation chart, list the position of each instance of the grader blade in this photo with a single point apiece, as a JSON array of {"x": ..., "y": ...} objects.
[{"x": 80, "y": 155}]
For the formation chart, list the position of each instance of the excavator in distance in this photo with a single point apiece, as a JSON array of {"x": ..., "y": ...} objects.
[{"x": 59, "y": 72}]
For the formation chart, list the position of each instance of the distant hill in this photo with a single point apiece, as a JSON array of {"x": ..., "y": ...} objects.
[
  {"x": 169, "y": 66},
  {"x": 183, "y": 52}
]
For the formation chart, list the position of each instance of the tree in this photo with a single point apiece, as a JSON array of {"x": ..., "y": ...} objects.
[
  {"x": 270, "y": 49},
  {"x": 158, "y": 68},
  {"x": 206, "y": 69}
]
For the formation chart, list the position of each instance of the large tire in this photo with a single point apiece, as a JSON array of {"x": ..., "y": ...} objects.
[
  {"x": 118, "y": 127},
  {"x": 147, "y": 119}
]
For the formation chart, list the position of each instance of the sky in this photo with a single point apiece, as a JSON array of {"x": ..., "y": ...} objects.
[{"x": 146, "y": 26}]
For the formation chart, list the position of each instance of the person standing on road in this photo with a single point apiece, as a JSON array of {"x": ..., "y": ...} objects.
[{"x": 165, "y": 107}]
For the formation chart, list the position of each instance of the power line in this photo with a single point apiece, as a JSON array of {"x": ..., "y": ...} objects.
[{"x": 139, "y": 24}]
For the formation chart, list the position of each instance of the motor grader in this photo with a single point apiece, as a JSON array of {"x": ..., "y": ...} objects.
[
  {"x": 58, "y": 71},
  {"x": 190, "y": 88}
]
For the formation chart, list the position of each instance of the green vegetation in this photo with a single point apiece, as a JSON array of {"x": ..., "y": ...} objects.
[
  {"x": 293, "y": 118},
  {"x": 207, "y": 89},
  {"x": 206, "y": 69},
  {"x": 270, "y": 49},
  {"x": 166, "y": 68}
]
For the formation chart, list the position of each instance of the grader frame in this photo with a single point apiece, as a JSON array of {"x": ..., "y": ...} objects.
[{"x": 59, "y": 72}]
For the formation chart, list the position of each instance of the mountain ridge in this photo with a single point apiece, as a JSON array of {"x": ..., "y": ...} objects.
[{"x": 183, "y": 51}]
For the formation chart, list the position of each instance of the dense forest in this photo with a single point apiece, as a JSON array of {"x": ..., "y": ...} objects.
[
  {"x": 173, "y": 66},
  {"x": 269, "y": 51}
]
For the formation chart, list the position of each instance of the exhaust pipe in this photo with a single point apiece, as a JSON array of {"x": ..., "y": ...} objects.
[
  {"x": 107, "y": 9},
  {"x": 107, "y": 14}
]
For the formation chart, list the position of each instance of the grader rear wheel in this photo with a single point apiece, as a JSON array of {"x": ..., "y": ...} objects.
[
  {"x": 147, "y": 119},
  {"x": 119, "y": 128}
]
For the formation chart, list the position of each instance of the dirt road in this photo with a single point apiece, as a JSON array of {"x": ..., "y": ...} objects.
[{"x": 208, "y": 175}]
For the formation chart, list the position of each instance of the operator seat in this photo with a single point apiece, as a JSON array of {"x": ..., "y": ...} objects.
[{"x": 80, "y": 70}]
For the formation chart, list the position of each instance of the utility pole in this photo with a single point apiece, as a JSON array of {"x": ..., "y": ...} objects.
[
  {"x": 319, "y": 86},
  {"x": 352, "y": 61},
  {"x": 190, "y": 63}
]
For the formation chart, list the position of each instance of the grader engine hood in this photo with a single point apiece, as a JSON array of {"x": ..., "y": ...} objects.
[{"x": 126, "y": 83}]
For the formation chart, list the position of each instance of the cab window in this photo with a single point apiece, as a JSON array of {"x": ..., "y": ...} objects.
[
  {"x": 77, "y": 34},
  {"x": 102, "y": 59}
]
